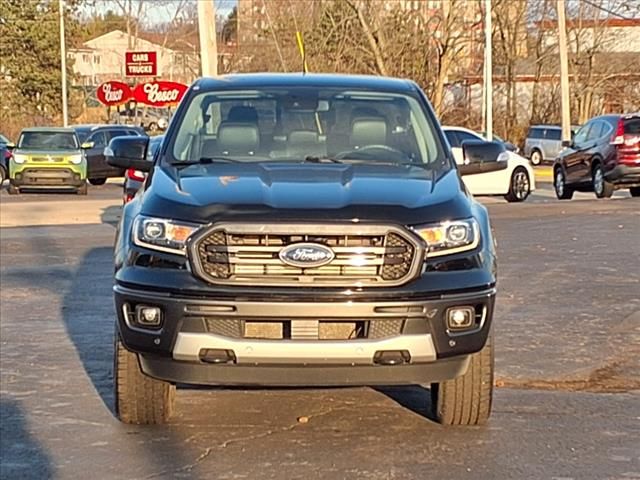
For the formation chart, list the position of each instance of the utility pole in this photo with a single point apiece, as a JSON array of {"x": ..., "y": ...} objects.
[
  {"x": 564, "y": 72},
  {"x": 63, "y": 65},
  {"x": 488, "y": 71},
  {"x": 208, "y": 43}
]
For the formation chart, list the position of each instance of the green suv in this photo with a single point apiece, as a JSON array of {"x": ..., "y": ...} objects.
[{"x": 48, "y": 157}]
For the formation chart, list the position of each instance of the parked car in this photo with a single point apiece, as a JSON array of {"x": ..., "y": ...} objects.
[
  {"x": 544, "y": 143},
  {"x": 93, "y": 140},
  {"x": 515, "y": 182},
  {"x": 604, "y": 156},
  {"x": 5, "y": 154},
  {"x": 152, "y": 120},
  {"x": 507, "y": 145},
  {"x": 338, "y": 247},
  {"x": 48, "y": 157},
  {"x": 133, "y": 179}
]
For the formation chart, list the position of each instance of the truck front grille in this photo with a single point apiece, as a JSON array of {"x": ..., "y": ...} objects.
[
  {"x": 250, "y": 255},
  {"x": 277, "y": 329}
]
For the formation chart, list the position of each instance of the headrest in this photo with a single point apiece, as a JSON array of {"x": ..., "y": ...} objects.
[
  {"x": 302, "y": 137},
  {"x": 242, "y": 114},
  {"x": 368, "y": 131},
  {"x": 304, "y": 142},
  {"x": 238, "y": 138}
]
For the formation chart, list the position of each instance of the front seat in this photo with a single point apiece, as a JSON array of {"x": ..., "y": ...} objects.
[
  {"x": 301, "y": 143},
  {"x": 242, "y": 139},
  {"x": 366, "y": 131}
]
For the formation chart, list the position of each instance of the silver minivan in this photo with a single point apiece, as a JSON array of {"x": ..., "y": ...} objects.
[{"x": 544, "y": 143}]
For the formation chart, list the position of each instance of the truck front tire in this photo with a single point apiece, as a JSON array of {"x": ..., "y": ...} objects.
[
  {"x": 139, "y": 399},
  {"x": 466, "y": 400}
]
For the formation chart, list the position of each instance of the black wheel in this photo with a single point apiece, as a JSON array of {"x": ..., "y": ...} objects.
[
  {"x": 13, "y": 190},
  {"x": 3, "y": 175},
  {"x": 536, "y": 157},
  {"x": 83, "y": 189},
  {"x": 466, "y": 400},
  {"x": 563, "y": 192},
  {"x": 519, "y": 186},
  {"x": 139, "y": 399},
  {"x": 97, "y": 181},
  {"x": 601, "y": 187},
  {"x": 635, "y": 191}
]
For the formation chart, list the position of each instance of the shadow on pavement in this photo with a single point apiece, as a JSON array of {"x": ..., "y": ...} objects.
[
  {"x": 414, "y": 398},
  {"x": 87, "y": 312},
  {"x": 111, "y": 215},
  {"x": 22, "y": 455}
]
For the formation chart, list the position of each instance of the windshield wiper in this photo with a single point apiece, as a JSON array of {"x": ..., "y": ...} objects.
[
  {"x": 205, "y": 161},
  {"x": 316, "y": 159}
]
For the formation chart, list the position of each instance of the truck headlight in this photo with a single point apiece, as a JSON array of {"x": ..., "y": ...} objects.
[
  {"x": 449, "y": 237},
  {"x": 162, "y": 234},
  {"x": 19, "y": 158},
  {"x": 75, "y": 159}
]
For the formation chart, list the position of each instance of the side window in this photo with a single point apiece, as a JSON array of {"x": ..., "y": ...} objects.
[
  {"x": 462, "y": 136},
  {"x": 596, "y": 131},
  {"x": 582, "y": 134},
  {"x": 117, "y": 133},
  {"x": 451, "y": 138},
  {"x": 554, "y": 134},
  {"x": 536, "y": 133},
  {"x": 99, "y": 139}
]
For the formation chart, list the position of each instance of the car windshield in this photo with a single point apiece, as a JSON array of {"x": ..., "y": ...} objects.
[
  {"x": 48, "y": 141},
  {"x": 82, "y": 134},
  {"x": 294, "y": 124}
]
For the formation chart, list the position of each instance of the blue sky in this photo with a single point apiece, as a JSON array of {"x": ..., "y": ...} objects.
[{"x": 158, "y": 11}]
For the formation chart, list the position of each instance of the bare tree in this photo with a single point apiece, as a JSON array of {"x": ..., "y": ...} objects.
[{"x": 510, "y": 38}]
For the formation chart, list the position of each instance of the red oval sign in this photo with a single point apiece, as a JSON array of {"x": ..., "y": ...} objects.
[
  {"x": 160, "y": 93},
  {"x": 114, "y": 93}
]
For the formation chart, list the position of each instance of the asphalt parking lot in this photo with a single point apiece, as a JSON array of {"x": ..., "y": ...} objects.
[{"x": 567, "y": 328}]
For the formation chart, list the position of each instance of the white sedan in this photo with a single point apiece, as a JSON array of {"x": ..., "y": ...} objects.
[{"x": 515, "y": 182}]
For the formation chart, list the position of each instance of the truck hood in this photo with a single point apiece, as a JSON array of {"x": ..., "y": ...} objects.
[{"x": 305, "y": 192}]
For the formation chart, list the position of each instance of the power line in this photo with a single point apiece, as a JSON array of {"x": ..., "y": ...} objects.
[{"x": 609, "y": 11}]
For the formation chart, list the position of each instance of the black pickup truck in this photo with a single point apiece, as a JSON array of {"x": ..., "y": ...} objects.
[{"x": 304, "y": 230}]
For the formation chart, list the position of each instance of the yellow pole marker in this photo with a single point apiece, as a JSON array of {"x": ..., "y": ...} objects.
[{"x": 305, "y": 69}]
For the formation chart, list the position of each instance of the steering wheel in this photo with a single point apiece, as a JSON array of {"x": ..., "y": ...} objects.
[{"x": 376, "y": 152}]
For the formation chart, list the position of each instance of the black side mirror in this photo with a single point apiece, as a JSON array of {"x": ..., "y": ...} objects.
[
  {"x": 567, "y": 143},
  {"x": 11, "y": 146},
  {"x": 128, "y": 152},
  {"x": 483, "y": 157}
]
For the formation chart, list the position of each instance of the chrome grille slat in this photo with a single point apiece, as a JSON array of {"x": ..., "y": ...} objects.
[{"x": 250, "y": 254}]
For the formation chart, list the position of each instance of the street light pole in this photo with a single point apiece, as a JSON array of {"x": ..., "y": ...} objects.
[
  {"x": 63, "y": 65},
  {"x": 207, "y": 34},
  {"x": 564, "y": 72},
  {"x": 488, "y": 71}
]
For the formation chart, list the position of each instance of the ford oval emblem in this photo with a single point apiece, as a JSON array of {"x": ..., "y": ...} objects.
[{"x": 306, "y": 255}]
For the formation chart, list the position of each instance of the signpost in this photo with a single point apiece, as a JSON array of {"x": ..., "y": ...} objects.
[
  {"x": 113, "y": 93},
  {"x": 160, "y": 93},
  {"x": 141, "y": 64}
]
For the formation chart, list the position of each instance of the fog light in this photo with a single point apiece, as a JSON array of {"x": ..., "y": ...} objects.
[
  {"x": 460, "y": 318},
  {"x": 148, "y": 316}
]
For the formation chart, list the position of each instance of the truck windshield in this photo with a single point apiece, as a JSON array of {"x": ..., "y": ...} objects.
[
  {"x": 293, "y": 124},
  {"x": 48, "y": 141}
]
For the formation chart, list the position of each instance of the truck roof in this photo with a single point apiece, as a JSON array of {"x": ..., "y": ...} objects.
[
  {"x": 49, "y": 129},
  {"x": 316, "y": 80}
]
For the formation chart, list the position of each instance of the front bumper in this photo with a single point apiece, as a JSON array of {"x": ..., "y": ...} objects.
[
  {"x": 174, "y": 352},
  {"x": 34, "y": 175}
]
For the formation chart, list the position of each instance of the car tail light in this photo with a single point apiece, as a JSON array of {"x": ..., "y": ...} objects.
[
  {"x": 7, "y": 154},
  {"x": 135, "y": 175},
  {"x": 618, "y": 137}
]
